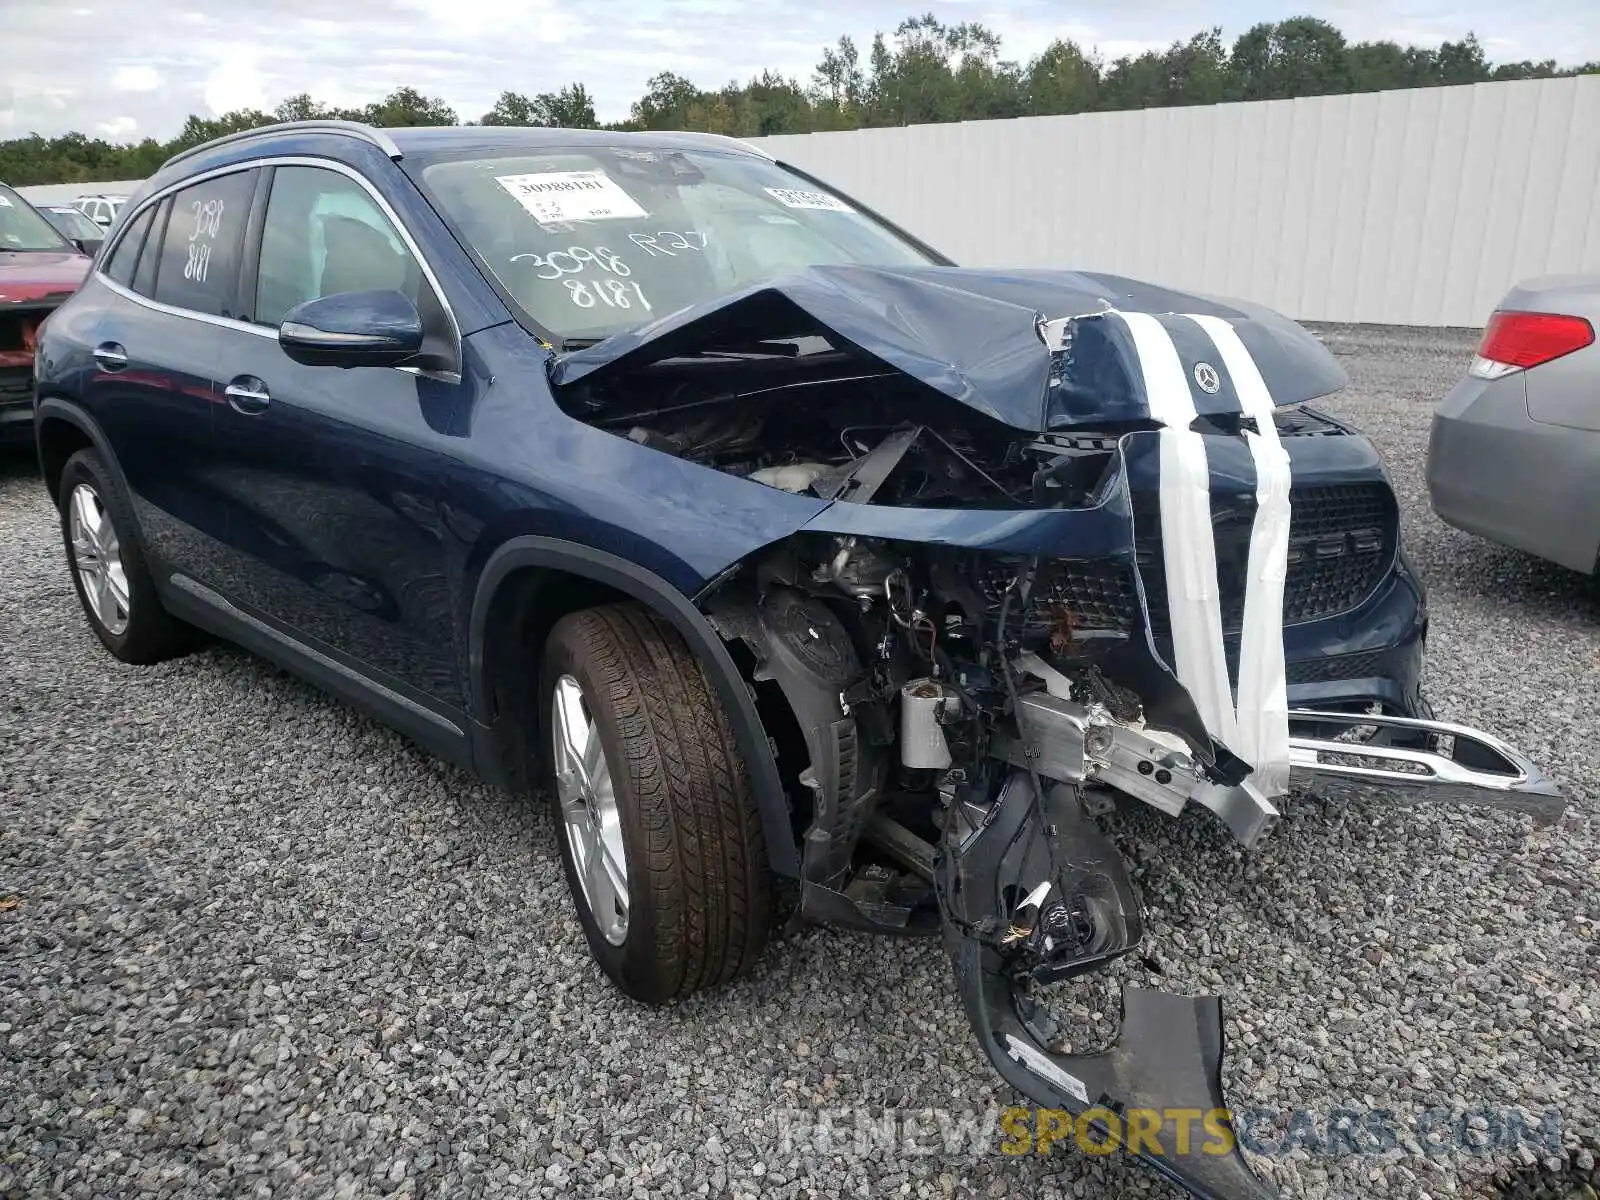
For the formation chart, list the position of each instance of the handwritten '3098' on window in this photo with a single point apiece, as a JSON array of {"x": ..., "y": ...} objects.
[{"x": 206, "y": 224}]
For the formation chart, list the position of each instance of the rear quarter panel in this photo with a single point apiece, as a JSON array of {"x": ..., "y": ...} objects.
[{"x": 1566, "y": 391}]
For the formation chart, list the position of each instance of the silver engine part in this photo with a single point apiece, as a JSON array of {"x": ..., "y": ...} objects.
[{"x": 922, "y": 742}]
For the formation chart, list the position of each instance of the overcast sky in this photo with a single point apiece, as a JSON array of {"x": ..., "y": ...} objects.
[{"x": 128, "y": 69}]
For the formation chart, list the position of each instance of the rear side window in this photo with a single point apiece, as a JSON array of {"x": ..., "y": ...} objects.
[
  {"x": 200, "y": 251},
  {"x": 126, "y": 255},
  {"x": 144, "y": 275}
]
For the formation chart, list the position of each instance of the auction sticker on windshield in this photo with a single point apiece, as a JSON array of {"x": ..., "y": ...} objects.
[
  {"x": 800, "y": 198},
  {"x": 555, "y": 196}
]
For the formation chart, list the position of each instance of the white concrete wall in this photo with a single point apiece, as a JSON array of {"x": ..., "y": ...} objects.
[{"x": 1417, "y": 207}]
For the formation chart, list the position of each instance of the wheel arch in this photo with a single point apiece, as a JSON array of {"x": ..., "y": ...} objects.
[
  {"x": 531, "y": 581},
  {"x": 61, "y": 429}
]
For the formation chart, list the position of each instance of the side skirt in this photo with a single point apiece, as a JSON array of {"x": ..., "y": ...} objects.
[{"x": 446, "y": 735}]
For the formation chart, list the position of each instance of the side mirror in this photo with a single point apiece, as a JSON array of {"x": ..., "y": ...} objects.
[
  {"x": 89, "y": 246},
  {"x": 353, "y": 329}
]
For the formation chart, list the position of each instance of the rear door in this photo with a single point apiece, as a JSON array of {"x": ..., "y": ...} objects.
[
  {"x": 333, "y": 476},
  {"x": 176, "y": 278}
]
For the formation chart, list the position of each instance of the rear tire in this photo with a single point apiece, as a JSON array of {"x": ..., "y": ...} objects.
[
  {"x": 109, "y": 569},
  {"x": 696, "y": 892}
]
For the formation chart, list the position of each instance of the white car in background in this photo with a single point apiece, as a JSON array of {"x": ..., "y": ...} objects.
[{"x": 102, "y": 210}]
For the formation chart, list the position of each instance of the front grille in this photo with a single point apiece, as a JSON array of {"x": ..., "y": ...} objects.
[
  {"x": 1099, "y": 595},
  {"x": 1341, "y": 543},
  {"x": 1337, "y": 667}
]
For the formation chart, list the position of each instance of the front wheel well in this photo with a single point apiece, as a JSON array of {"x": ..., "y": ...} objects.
[
  {"x": 525, "y": 607},
  {"x": 59, "y": 440},
  {"x": 528, "y": 584}
]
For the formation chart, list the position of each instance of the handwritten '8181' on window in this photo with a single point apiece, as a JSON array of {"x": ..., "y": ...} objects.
[{"x": 619, "y": 291}]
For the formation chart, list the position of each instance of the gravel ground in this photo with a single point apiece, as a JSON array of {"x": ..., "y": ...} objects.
[{"x": 253, "y": 944}]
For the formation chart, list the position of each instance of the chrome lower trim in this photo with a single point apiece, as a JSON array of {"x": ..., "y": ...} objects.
[
  {"x": 1077, "y": 743},
  {"x": 1480, "y": 770}
]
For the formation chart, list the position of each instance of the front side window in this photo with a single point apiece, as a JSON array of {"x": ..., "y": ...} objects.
[
  {"x": 23, "y": 229},
  {"x": 325, "y": 234},
  {"x": 199, "y": 264},
  {"x": 592, "y": 241}
]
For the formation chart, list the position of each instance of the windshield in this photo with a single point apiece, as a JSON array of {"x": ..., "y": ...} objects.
[
  {"x": 69, "y": 222},
  {"x": 592, "y": 241},
  {"x": 21, "y": 228}
]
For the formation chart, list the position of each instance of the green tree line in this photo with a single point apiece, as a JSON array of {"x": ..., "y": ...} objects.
[{"x": 926, "y": 71}]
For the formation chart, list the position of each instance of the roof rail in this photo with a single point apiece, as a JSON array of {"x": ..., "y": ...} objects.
[
  {"x": 720, "y": 138},
  {"x": 355, "y": 129}
]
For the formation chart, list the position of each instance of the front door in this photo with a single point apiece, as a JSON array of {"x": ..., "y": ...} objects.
[{"x": 332, "y": 476}]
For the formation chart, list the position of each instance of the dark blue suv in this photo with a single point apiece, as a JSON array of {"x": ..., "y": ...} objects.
[{"x": 805, "y": 572}]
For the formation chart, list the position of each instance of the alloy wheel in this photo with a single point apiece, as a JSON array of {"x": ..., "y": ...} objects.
[
  {"x": 97, "y": 555},
  {"x": 589, "y": 810}
]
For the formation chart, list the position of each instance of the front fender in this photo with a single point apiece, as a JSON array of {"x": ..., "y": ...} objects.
[{"x": 620, "y": 574}]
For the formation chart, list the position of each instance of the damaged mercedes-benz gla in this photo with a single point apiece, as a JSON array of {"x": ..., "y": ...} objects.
[{"x": 807, "y": 572}]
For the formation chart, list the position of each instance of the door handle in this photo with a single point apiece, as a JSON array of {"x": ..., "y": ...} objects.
[
  {"x": 247, "y": 395},
  {"x": 110, "y": 356}
]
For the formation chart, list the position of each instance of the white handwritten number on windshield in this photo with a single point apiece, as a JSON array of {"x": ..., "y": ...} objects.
[
  {"x": 207, "y": 224},
  {"x": 555, "y": 264},
  {"x": 586, "y": 293},
  {"x": 612, "y": 292}
]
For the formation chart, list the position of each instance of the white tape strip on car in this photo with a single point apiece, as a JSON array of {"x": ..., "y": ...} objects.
[
  {"x": 1256, "y": 727},
  {"x": 1194, "y": 597},
  {"x": 1263, "y": 710}
]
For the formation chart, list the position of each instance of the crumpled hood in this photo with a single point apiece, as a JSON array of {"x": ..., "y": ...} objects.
[
  {"x": 976, "y": 336},
  {"x": 26, "y": 277}
]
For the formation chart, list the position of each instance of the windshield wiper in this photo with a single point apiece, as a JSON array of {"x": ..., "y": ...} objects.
[{"x": 750, "y": 350}]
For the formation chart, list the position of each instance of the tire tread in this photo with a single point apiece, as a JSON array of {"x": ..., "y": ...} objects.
[{"x": 704, "y": 867}]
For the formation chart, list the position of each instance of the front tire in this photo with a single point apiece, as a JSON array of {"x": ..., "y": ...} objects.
[
  {"x": 653, "y": 805},
  {"x": 109, "y": 569}
]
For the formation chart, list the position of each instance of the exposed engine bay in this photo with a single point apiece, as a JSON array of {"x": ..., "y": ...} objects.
[
  {"x": 789, "y": 416},
  {"x": 1012, "y": 616}
]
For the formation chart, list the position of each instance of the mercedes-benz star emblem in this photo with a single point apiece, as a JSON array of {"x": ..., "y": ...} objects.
[{"x": 1208, "y": 379}]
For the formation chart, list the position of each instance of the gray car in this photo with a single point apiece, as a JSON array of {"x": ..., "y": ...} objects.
[{"x": 1514, "y": 455}]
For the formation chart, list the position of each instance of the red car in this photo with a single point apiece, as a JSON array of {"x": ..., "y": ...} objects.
[{"x": 38, "y": 270}]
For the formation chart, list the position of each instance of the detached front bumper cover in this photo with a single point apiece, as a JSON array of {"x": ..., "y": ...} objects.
[
  {"x": 1166, "y": 1065},
  {"x": 1167, "y": 1060}
]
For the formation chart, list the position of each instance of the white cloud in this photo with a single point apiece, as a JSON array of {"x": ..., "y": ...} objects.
[
  {"x": 136, "y": 77},
  {"x": 235, "y": 82},
  {"x": 118, "y": 129}
]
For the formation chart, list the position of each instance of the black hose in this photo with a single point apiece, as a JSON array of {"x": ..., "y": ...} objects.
[{"x": 1021, "y": 584}]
